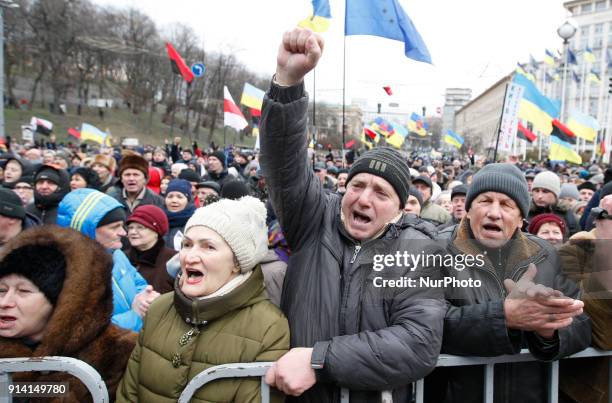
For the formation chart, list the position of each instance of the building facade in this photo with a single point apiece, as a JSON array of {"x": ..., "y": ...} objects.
[{"x": 454, "y": 99}]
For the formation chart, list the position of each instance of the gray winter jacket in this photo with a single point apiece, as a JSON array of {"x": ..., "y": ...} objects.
[{"x": 367, "y": 339}]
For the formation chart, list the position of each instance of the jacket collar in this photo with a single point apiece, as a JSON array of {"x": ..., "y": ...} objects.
[{"x": 198, "y": 311}]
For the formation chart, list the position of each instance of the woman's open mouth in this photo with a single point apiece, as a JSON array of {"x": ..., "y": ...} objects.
[
  {"x": 194, "y": 276},
  {"x": 7, "y": 321}
]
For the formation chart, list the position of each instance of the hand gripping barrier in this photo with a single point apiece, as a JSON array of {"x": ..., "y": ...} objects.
[
  {"x": 247, "y": 370},
  {"x": 79, "y": 369}
]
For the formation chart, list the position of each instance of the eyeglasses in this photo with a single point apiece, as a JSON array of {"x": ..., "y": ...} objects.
[{"x": 23, "y": 187}]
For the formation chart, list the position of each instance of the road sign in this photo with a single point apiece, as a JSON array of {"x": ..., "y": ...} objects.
[{"x": 198, "y": 69}]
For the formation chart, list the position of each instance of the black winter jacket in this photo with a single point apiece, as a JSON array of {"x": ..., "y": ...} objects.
[
  {"x": 475, "y": 323},
  {"x": 368, "y": 340}
]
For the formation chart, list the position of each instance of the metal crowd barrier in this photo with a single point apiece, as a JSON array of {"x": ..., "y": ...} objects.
[
  {"x": 553, "y": 379},
  {"x": 96, "y": 386},
  {"x": 79, "y": 369},
  {"x": 248, "y": 370}
]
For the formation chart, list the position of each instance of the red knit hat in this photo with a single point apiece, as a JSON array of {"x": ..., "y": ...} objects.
[
  {"x": 541, "y": 219},
  {"x": 151, "y": 217}
]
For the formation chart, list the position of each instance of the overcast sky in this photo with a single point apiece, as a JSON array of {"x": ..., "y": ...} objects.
[{"x": 473, "y": 43}]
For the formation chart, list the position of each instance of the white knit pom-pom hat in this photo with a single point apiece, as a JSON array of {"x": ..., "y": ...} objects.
[{"x": 241, "y": 223}]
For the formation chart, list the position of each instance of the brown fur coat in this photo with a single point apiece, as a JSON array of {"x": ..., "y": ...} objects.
[{"x": 80, "y": 324}]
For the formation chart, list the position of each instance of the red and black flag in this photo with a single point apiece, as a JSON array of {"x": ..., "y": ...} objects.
[
  {"x": 388, "y": 90},
  {"x": 178, "y": 64},
  {"x": 562, "y": 132},
  {"x": 524, "y": 133}
]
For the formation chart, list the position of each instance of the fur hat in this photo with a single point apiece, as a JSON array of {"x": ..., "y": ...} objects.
[
  {"x": 105, "y": 160},
  {"x": 43, "y": 265},
  {"x": 241, "y": 223},
  {"x": 133, "y": 161}
]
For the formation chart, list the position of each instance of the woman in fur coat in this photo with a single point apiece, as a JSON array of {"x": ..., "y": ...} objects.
[{"x": 56, "y": 300}]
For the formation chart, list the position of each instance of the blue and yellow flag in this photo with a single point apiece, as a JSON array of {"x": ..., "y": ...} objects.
[
  {"x": 594, "y": 77},
  {"x": 320, "y": 18},
  {"x": 453, "y": 139},
  {"x": 583, "y": 125},
  {"x": 588, "y": 55},
  {"x": 386, "y": 19},
  {"x": 252, "y": 96},
  {"x": 535, "y": 107},
  {"x": 549, "y": 58},
  {"x": 562, "y": 151},
  {"x": 520, "y": 69},
  {"x": 92, "y": 133},
  {"x": 416, "y": 124}
]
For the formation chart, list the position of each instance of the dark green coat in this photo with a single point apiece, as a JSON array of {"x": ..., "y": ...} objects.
[{"x": 242, "y": 326}]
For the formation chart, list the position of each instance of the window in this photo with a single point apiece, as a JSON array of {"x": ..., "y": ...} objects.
[
  {"x": 600, "y": 5},
  {"x": 586, "y": 8},
  {"x": 584, "y": 31},
  {"x": 599, "y": 29},
  {"x": 597, "y": 43}
]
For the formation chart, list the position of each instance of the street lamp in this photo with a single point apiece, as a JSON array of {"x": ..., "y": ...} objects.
[
  {"x": 566, "y": 31},
  {"x": 3, "y": 4}
]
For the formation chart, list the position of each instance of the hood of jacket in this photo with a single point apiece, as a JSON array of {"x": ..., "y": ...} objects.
[
  {"x": 82, "y": 210},
  {"x": 85, "y": 305}
]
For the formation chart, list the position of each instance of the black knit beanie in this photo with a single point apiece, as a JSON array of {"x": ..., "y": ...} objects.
[
  {"x": 220, "y": 155},
  {"x": 43, "y": 265},
  {"x": 90, "y": 176},
  {"x": 501, "y": 178},
  {"x": 234, "y": 190},
  {"x": 116, "y": 214},
  {"x": 388, "y": 164}
]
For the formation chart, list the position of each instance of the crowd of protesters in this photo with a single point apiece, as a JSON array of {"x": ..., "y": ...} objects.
[{"x": 227, "y": 255}]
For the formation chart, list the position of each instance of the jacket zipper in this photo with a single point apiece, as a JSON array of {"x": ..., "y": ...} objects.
[{"x": 355, "y": 253}]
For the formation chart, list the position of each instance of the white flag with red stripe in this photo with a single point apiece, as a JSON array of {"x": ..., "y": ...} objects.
[{"x": 232, "y": 115}]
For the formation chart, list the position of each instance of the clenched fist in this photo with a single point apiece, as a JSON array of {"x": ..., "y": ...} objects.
[{"x": 298, "y": 53}]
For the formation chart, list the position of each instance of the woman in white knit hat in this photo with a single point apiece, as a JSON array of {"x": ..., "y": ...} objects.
[{"x": 218, "y": 313}]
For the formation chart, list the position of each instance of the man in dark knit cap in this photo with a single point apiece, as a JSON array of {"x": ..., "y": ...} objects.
[
  {"x": 217, "y": 169},
  {"x": 535, "y": 308},
  {"x": 13, "y": 216},
  {"x": 132, "y": 189},
  {"x": 345, "y": 331},
  {"x": 51, "y": 184}
]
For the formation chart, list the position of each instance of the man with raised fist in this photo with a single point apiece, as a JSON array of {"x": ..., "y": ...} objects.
[{"x": 345, "y": 333}]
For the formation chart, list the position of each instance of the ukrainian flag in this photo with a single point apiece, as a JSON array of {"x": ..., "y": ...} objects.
[
  {"x": 320, "y": 17},
  {"x": 535, "y": 107},
  {"x": 417, "y": 125},
  {"x": 252, "y": 96},
  {"x": 583, "y": 125},
  {"x": 92, "y": 133},
  {"x": 588, "y": 55},
  {"x": 562, "y": 151},
  {"x": 594, "y": 77},
  {"x": 549, "y": 58},
  {"x": 399, "y": 136},
  {"x": 453, "y": 139}
]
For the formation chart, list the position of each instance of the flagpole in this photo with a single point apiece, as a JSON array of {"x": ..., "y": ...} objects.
[
  {"x": 343, "y": 97},
  {"x": 499, "y": 123},
  {"x": 314, "y": 116}
]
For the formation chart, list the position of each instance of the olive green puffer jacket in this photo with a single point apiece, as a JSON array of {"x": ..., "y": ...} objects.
[{"x": 182, "y": 337}]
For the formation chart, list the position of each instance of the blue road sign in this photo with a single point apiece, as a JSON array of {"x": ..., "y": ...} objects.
[{"x": 198, "y": 69}]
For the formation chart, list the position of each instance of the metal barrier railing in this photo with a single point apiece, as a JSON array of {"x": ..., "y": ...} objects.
[
  {"x": 249, "y": 370},
  {"x": 79, "y": 369},
  {"x": 96, "y": 386},
  {"x": 553, "y": 380}
]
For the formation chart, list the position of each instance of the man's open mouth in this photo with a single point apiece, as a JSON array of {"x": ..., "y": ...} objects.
[{"x": 361, "y": 218}]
